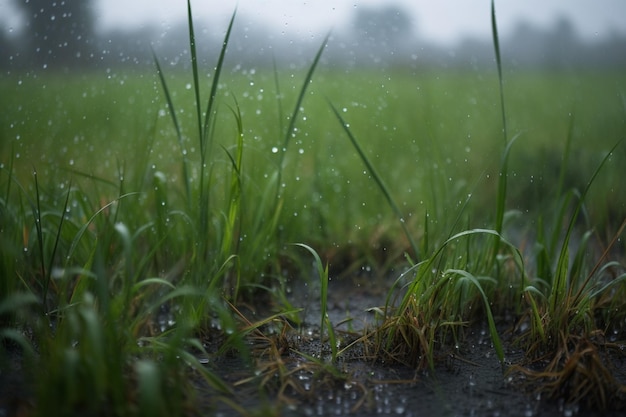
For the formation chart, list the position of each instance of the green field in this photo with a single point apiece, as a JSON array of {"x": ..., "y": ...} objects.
[
  {"x": 438, "y": 130},
  {"x": 122, "y": 218}
]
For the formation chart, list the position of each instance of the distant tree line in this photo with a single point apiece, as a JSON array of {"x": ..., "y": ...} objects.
[
  {"x": 60, "y": 35},
  {"x": 57, "y": 34}
]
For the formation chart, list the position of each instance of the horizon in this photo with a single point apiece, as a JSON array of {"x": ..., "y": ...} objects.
[{"x": 445, "y": 22}]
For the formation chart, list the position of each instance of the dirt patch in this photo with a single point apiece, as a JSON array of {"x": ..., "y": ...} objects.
[
  {"x": 289, "y": 376},
  {"x": 468, "y": 379}
]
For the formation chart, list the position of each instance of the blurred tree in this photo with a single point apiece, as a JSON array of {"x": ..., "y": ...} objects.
[
  {"x": 7, "y": 51},
  {"x": 562, "y": 45},
  {"x": 58, "y": 34},
  {"x": 382, "y": 35},
  {"x": 389, "y": 24}
]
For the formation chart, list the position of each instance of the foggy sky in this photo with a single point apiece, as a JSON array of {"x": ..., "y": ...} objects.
[{"x": 442, "y": 21}]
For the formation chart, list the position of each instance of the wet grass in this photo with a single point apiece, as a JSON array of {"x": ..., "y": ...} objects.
[{"x": 141, "y": 220}]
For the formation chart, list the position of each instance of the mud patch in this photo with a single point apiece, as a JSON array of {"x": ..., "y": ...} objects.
[{"x": 468, "y": 379}]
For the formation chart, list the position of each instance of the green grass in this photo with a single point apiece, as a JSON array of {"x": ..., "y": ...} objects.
[{"x": 138, "y": 214}]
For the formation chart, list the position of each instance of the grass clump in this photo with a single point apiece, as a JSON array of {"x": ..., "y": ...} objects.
[
  {"x": 559, "y": 308},
  {"x": 567, "y": 319},
  {"x": 112, "y": 296}
]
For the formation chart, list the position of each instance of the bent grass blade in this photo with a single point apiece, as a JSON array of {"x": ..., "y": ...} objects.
[
  {"x": 379, "y": 181},
  {"x": 322, "y": 273},
  {"x": 493, "y": 331}
]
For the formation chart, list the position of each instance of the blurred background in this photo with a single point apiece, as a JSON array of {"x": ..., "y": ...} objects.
[{"x": 68, "y": 35}]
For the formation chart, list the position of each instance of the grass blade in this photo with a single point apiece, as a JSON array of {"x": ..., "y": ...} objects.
[
  {"x": 86, "y": 225},
  {"x": 205, "y": 136},
  {"x": 305, "y": 84},
  {"x": 324, "y": 319},
  {"x": 561, "y": 273},
  {"x": 57, "y": 238},
  {"x": 194, "y": 68},
  {"x": 379, "y": 181},
  {"x": 179, "y": 134},
  {"x": 38, "y": 227},
  {"x": 206, "y": 129},
  {"x": 296, "y": 109},
  {"x": 493, "y": 331},
  {"x": 279, "y": 101},
  {"x": 234, "y": 201},
  {"x": 496, "y": 46},
  {"x": 502, "y": 186}
]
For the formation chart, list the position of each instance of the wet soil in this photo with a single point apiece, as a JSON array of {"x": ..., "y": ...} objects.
[{"x": 468, "y": 380}]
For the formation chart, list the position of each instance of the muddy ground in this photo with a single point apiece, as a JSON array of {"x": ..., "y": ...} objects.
[{"x": 468, "y": 381}]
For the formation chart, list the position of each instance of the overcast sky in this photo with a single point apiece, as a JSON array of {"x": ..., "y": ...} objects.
[{"x": 438, "y": 20}]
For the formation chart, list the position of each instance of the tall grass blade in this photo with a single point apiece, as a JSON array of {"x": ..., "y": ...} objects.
[
  {"x": 379, "y": 181},
  {"x": 296, "y": 110},
  {"x": 207, "y": 128},
  {"x": 57, "y": 238},
  {"x": 179, "y": 133},
  {"x": 496, "y": 46},
  {"x": 36, "y": 207},
  {"x": 208, "y": 115},
  {"x": 502, "y": 187},
  {"x": 234, "y": 201},
  {"x": 10, "y": 173},
  {"x": 279, "y": 97},
  {"x": 597, "y": 265},
  {"x": 305, "y": 84},
  {"x": 502, "y": 180},
  {"x": 559, "y": 287},
  {"x": 196, "y": 80}
]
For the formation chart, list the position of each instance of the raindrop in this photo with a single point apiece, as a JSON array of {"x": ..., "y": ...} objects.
[{"x": 399, "y": 409}]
